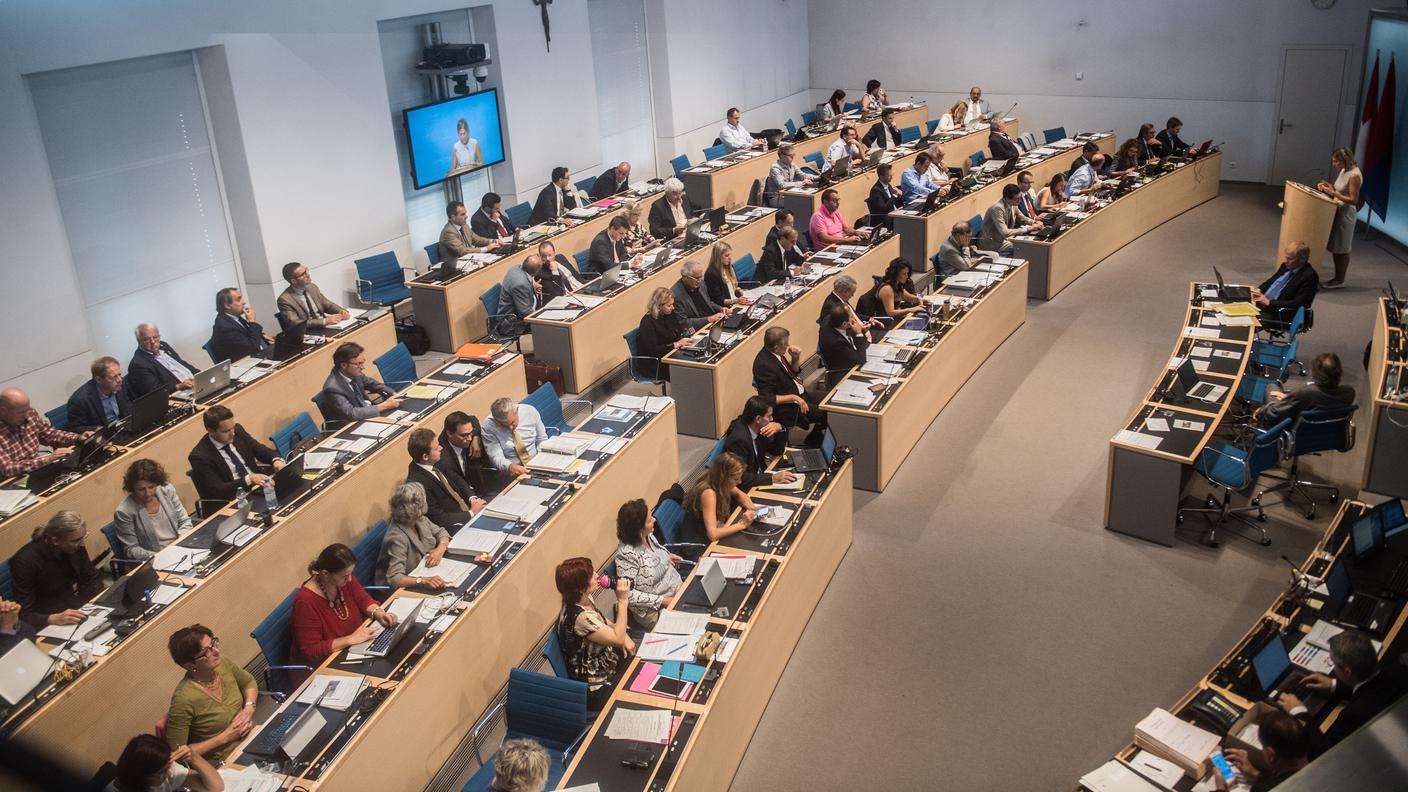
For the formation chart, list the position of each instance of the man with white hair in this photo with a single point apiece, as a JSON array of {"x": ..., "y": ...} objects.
[
  {"x": 670, "y": 214},
  {"x": 156, "y": 366},
  {"x": 614, "y": 180},
  {"x": 692, "y": 302},
  {"x": 512, "y": 434}
]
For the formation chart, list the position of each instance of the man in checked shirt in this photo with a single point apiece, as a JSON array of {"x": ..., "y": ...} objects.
[{"x": 22, "y": 430}]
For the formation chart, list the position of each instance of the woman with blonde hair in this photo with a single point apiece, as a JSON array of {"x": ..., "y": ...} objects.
[
  {"x": 1346, "y": 191},
  {"x": 520, "y": 766},
  {"x": 638, "y": 234},
  {"x": 953, "y": 119},
  {"x": 720, "y": 281},
  {"x": 661, "y": 332},
  {"x": 709, "y": 502}
]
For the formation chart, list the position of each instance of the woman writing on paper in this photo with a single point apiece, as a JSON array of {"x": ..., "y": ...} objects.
[
  {"x": 711, "y": 500},
  {"x": 595, "y": 649},
  {"x": 1053, "y": 194},
  {"x": 641, "y": 559},
  {"x": 410, "y": 537}
]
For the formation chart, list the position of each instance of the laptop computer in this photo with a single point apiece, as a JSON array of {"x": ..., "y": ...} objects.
[
  {"x": 716, "y": 217},
  {"x": 1007, "y": 167},
  {"x": 1273, "y": 670},
  {"x": 287, "y": 482},
  {"x": 1193, "y": 388},
  {"x": 1231, "y": 293},
  {"x": 207, "y": 383},
  {"x": 130, "y": 595},
  {"x": 1052, "y": 228},
  {"x": 813, "y": 460},
  {"x": 711, "y": 586},
  {"x": 227, "y": 528},
  {"x": 1367, "y": 536},
  {"x": 147, "y": 411},
  {"x": 386, "y": 640},
  {"x": 692, "y": 230},
  {"x": 22, "y": 669},
  {"x": 287, "y": 343},
  {"x": 1355, "y": 608},
  {"x": 605, "y": 283},
  {"x": 873, "y": 158},
  {"x": 42, "y": 478},
  {"x": 1206, "y": 147}
]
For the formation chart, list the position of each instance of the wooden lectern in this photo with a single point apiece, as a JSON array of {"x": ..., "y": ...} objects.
[{"x": 1306, "y": 216}]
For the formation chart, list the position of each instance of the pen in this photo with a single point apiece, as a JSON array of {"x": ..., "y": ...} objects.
[
  {"x": 677, "y": 648},
  {"x": 657, "y": 640}
]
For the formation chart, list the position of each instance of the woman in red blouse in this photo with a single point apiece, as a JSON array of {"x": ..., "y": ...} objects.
[{"x": 329, "y": 607}]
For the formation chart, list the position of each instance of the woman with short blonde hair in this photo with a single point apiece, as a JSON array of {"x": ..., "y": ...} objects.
[{"x": 520, "y": 766}]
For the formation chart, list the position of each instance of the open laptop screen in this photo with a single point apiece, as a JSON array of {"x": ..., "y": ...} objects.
[{"x": 1270, "y": 662}]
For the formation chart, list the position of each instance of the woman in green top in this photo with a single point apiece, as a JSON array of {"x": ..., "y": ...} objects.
[{"x": 213, "y": 707}]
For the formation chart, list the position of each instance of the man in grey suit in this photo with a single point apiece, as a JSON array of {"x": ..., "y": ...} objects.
[
  {"x": 457, "y": 238},
  {"x": 303, "y": 301},
  {"x": 345, "y": 391},
  {"x": 691, "y": 300},
  {"x": 1003, "y": 221},
  {"x": 956, "y": 253},
  {"x": 518, "y": 296}
]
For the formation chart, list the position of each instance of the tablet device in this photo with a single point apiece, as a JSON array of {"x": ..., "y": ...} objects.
[{"x": 669, "y": 686}]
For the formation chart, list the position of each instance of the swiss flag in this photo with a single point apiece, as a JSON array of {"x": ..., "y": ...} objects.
[{"x": 1371, "y": 104}]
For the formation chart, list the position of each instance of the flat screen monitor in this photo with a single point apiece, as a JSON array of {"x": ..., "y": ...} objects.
[
  {"x": 1368, "y": 533},
  {"x": 1270, "y": 662},
  {"x": 1391, "y": 516},
  {"x": 1337, "y": 585},
  {"x": 454, "y": 137}
]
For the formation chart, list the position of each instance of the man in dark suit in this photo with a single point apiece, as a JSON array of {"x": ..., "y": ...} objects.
[
  {"x": 884, "y": 134},
  {"x": 778, "y": 258},
  {"x": 1357, "y": 678},
  {"x": 1292, "y": 286},
  {"x": 155, "y": 365},
  {"x": 608, "y": 248},
  {"x": 450, "y": 500},
  {"x": 227, "y": 459},
  {"x": 462, "y": 453},
  {"x": 884, "y": 197},
  {"x": 235, "y": 334},
  {"x": 748, "y": 438},
  {"x": 777, "y": 374},
  {"x": 613, "y": 181},
  {"x": 101, "y": 400},
  {"x": 692, "y": 301},
  {"x": 1324, "y": 391},
  {"x": 1026, "y": 202},
  {"x": 1087, "y": 155},
  {"x": 841, "y": 344},
  {"x": 1173, "y": 144},
  {"x": 490, "y": 222},
  {"x": 843, "y": 291},
  {"x": 557, "y": 276},
  {"x": 1000, "y": 144},
  {"x": 669, "y": 215},
  {"x": 781, "y": 219},
  {"x": 555, "y": 200},
  {"x": 348, "y": 390}
]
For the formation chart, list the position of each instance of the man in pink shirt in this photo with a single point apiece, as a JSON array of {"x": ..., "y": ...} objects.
[{"x": 827, "y": 226}]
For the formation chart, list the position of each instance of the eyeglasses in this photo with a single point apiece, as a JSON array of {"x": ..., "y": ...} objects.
[{"x": 214, "y": 646}]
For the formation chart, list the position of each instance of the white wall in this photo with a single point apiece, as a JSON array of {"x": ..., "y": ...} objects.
[
  {"x": 703, "y": 64},
  {"x": 309, "y": 163},
  {"x": 1213, "y": 63}
]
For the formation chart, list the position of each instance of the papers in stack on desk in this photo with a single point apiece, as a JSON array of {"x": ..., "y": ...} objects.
[
  {"x": 1176, "y": 740},
  {"x": 854, "y": 392},
  {"x": 344, "y": 691},
  {"x": 524, "y": 502},
  {"x": 12, "y": 501},
  {"x": 472, "y": 541},
  {"x": 1114, "y": 776},
  {"x": 679, "y": 623},
  {"x": 972, "y": 279},
  {"x": 449, "y": 570},
  {"x": 652, "y": 726},
  {"x": 906, "y": 337},
  {"x": 174, "y": 558}
]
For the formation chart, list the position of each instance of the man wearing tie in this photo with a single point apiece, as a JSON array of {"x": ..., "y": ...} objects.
[
  {"x": 1026, "y": 202},
  {"x": 155, "y": 365},
  {"x": 490, "y": 220},
  {"x": 841, "y": 343},
  {"x": 99, "y": 401},
  {"x": 346, "y": 390},
  {"x": 1003, "y": 221},
  {"x": 555, "y": 199},
  {"x": 450, "y": 501},
  {"x": 999, "y": 143},
  {"x": 608, "y": 248},
  {"x": 457, "y": 238},
  {"x": 780, "y": 260},
  {"x": 777, "y": 374},
  {"x": 462, "y": 451},
  {"x": 235, "y": 334},
  {"x": 303, "y": 301},
  {"x": 512, "y": 434},
  {"x": 227, "y": 459},
  {"x": 748, "y": 438}
]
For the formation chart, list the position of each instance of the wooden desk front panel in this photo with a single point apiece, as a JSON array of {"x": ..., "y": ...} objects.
[
  {"x": 738, "y": 703},
  {"x": 731, "y": 379},
  {"x": 1386, "y": 464},
  {"x": 922, "y": 236},
  {"x": 131, "y": 688},
  {"x": 453, "y": 315},
  {"x": 456, "y": 681},
  {"x": 261, "y": 408},
  {"x": 595, "y": 343}
]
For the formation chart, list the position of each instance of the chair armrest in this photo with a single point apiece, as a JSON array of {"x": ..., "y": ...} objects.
[
  {"x": 655, "y": 362},
  {"x": 572, "y": 746},
  {"x": 700, "y": 545},
  {"x": 479, "y": 728}
]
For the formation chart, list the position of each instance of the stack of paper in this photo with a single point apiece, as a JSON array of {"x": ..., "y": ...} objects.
[
  {"x": 1114, "y": 776},
  {"x": 462, "y": 369},
  {"x": 853, "y": 392},
  {"x": 432, "y": 392},
  {"x": 353, "y": 315},
  {"x": 652, "y": 726},
  {"x": 174, "y": 558},
  {"x": 1138, "y": 439},
  {"x": 971, "y": 279},
  {"x": 350, "y": 446},
  {"x": 777, "y": 515},
  {"x": 12, "y": 501},
  {"x": 665, "y": 646},
  {"x": 881, "y": 368},
  {"x": 373, "y": 429},
  {"x": 571, "y": 443},
  {"x": 734, "y": 567},
  {"x": 449, "y": 570},
  {"x": 680, "y": 623},
  {"x": 475, "y": 541},
  {"x": 96, "y": 615},
  {"x": 906, "y": 337},
  {"x": 1176, "y": 740},
  {"x": 547, "y": 460},
  {"x": 341, "y": 691},
  {"x": 319, "y": 460},
  {"x": 250, "y": 779},
  {"x": 560, "y": 314}
]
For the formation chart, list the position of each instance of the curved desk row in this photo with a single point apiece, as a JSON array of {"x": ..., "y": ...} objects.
[
  {"x": 1112, "y": 224},
  {"x": 882, "y": 431},
  {"x": 1292, "y": 615},
  {"x": 767, "y": 612},
  {"x": 440, "y": 678},
  {"x": 921, "y": 234},
  {"x": 591, "y": 344},
  {"x": 129, "y": 688},
  {"x": 1149, "y": 461},
  {"x": 727, "y": 181},
  {"x": 261, "y": 406},
  {"x": 711, "y": 389},
  {"x": 450, "y": 310},
  {"x": 1386, "y": 466}
]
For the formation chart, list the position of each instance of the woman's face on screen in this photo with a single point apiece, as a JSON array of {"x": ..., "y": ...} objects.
[{"x": 464, "y": 135}]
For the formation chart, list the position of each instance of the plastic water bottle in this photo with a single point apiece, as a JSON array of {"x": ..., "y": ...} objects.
[
  {"x": 241, "y": 502},
  {"x": 271, "y": 499}
]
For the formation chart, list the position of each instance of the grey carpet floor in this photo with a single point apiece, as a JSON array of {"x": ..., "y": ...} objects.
[{"x": 985, "y": 631}]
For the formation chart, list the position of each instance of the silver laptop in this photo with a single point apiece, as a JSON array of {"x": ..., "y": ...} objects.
[
  {"x": 713, "y": 582},
  {"x": 212, "y": 380},
  {"x": 21, "y": 670},
  {"x": 874, "y": 157},
  {"x": 386, "y": 640},
  {"x": 692, "y": 231}
]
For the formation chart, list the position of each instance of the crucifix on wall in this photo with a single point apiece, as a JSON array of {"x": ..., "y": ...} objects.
[{"x": 547, "y": 33}]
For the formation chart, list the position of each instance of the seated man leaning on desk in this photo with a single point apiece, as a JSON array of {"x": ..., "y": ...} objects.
[
  {"x": 692, "y": 301},
  {"x": 1003, "y": 221},
  {"x": 303, "y": 301},
  {"x": 828, "y": 226},
  {"x": 512, "y": 434},
  {"x": 749, "y": 436},
  {"x": 1324, "y": 391},
  {"x": 781, "y": 259},
  {"x": 457, "y": 238},
  {"x": 347, "y": 391},
  {"x": 101, "y": 400},
  {"x": 227, "y": 459},
  {"x": 22, "y": 429},
  {"x": 1292, "y": 286}
]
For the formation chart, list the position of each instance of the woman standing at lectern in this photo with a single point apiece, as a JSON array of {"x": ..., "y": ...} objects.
[{"x": 1346, "y": 190}]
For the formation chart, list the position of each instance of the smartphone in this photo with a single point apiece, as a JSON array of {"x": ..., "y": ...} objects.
[
  {"x": 763, "y": 511},
  {"x": 1223, "y": 767}
]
